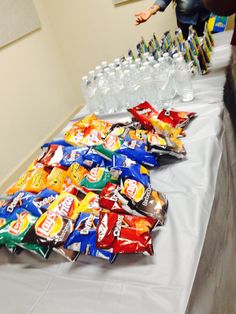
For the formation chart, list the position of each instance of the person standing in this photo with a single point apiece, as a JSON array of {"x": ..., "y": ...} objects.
[{"x": 188, "y": 12}]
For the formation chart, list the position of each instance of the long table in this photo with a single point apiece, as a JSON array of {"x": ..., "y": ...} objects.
[{"x": 191, "y": 250}]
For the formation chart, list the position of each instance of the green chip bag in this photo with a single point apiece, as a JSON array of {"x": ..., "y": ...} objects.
[
  {"x": 13, "y": 232},
  {"x": 109, "y": 146},
  {"x": 97, "y": 178}
]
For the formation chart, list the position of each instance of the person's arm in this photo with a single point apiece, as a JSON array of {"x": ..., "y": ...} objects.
[
  {"x": 159, "y": 5},
  {"x": 226, "y": 7}
]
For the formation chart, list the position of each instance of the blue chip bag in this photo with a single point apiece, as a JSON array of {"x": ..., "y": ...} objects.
[
  {"x": 130, "y": 169},
  {"x": 83, "y": 238},
  {"x": 73, "y": 154},
  {"x": 42, "y": 200},
  {"x": 92, "y": 160},
  {"x": 56, "y": 142},
  {"x": 16, "y": 204},
  {"x": 136, "y": 150}
]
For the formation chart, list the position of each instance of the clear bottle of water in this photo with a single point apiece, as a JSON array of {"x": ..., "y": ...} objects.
[
  {"x": 98, "y": 69},
  {"x": 163, "y": 82},
  {"x": 120, "y": 85},
  {"x": 170, "y": 63},
  {"x": 183, "y": 80},
  {"x": 114, "y": 92},
  {"x": 146, "y": 90},
  {"x": 134, "y": 85},
  {"x": 88, "y": 88},
  {"x": 84, "y": 89},
  {"x": 102, "y": 92}
]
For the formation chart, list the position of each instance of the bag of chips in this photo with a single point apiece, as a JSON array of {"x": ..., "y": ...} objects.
[
  {"x": 143, "y": 113},
  {"x": 83, "y": 238},
  {"x": 125, "y": 233}
]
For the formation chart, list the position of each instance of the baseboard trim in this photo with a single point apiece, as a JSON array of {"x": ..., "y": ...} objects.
[{"x": 20, "y": 168}]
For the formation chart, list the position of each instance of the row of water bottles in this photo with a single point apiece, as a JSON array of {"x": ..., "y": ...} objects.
[{"x": 126, "y": 82}]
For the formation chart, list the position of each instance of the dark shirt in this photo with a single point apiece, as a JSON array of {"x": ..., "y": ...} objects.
[{"x": 187, "y": 11}]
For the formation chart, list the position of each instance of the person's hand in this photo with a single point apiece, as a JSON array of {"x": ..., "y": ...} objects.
[{"x": 142, "y": 17}]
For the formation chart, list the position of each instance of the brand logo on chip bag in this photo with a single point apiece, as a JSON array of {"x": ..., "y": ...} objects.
[
  {"x": 49, "y": 225},
  {"x": 15, "y": 201},
  {"x": 93, "y": 138},
  {"x": 73, "y": 155},
  {"x": 66, "y": 206},
  {"x": 37, "y": 180},
  {"x": 88, "y": 225},
  {"x": 117, "y": 230},
  {"x": 46, "y": 201},
  {"x": 144, "y": 111},
  {"x": 118, "y": 131},
  {"x": 134, "y": 190},
  {"x": 112, "y": 142},
  {"x": 156, "y": 140},
  {"x": 102, "y": 229},
  {"x": 76, "y": 172},
  {"x": 20, "y": 225},
  {"x": 95, "y": 174}
]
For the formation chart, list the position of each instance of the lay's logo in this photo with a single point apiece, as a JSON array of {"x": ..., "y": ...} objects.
[
  {"x": 95, "y": 174},
  {"x": 133, "y": 190},
  {"x": 20, "y": 225},
  {"x": 49, "y": 225},
  {"x": 111, "y": 142}
]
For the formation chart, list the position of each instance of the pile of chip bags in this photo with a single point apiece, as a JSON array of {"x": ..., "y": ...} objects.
[{"x": 91, "y": 193}]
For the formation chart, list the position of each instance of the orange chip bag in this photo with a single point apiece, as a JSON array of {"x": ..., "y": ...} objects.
[
  {"x": 76, "y": 173},
  {"x": 85, "y": 122},
  {"x": 74, "y": 136},
  {"x": 19, "y": 184},
  {"x": 89, "y": 131},
  {"x": 37, "y": 181},
  {"x": 56, "y": 179}
]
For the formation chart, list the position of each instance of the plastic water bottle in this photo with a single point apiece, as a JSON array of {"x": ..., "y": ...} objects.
[
  {"x": 134, "y": 85},
  {"x": 163, "y": 83},
  {"x": 114, "y": 92},
  {"x": 147, "y": 83},
  {"x": 183, "y": 80},
  {"x": 89, "y": 93}
]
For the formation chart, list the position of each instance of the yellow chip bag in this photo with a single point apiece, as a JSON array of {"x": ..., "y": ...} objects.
[
  {"x": 90, "y": 204},
  {"x": 164, "y": 128},
  {"x": 133, "y": 190},
  {"x": 56, "y": 179},
  {"x": 66, "y": 205}
]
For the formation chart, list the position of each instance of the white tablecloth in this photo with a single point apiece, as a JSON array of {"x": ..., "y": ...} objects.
[{"x": 140, "y": 284}]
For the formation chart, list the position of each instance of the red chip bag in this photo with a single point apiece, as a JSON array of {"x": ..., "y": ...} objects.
[
  {"x": 108, "y": 198},
  {"x": 125, "y": 233},
  {"x": 176, "y": 118},
  {"x": 143, "y": 113}
]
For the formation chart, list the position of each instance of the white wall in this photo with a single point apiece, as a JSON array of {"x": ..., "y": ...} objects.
[
  {"x": 89, "y": 31},
  {"x": 36, "y": 93},
  {"x": 40, "y": 74}
]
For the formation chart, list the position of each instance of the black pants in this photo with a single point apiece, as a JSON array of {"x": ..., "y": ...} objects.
[{"x": 199, "y": 27}]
